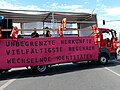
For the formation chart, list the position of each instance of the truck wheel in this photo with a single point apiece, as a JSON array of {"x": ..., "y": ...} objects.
[
  {"x": 103, "y": 59},
  {"x": 40, "y": 69}
]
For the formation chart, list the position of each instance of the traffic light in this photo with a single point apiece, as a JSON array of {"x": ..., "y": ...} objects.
[{"x": 103, "y": 22}]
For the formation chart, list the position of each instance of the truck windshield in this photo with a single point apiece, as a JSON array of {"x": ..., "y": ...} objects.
[
  {"x": 107, "y": 35},
  {"x": 114, "y": 33}
]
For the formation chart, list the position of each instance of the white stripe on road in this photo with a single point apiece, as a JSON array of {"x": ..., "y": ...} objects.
[
  {"x": 7, "y": 84},
  {"x": 112, "y": 71}
]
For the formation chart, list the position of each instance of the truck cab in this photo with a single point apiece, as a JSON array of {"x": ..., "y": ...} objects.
[{"x": 107, "y": 41}]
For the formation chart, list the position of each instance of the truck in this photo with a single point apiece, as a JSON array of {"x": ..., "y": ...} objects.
[{"x": 42, "y": 52}]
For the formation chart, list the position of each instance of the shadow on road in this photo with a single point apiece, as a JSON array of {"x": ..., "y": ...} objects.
[{"x": 55, "y": 70}]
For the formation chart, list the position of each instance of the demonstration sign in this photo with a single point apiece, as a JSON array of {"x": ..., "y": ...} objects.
[{"x": 43, "y": 51}]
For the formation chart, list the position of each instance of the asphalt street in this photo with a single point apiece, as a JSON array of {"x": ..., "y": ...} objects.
[{"x": 83, "y": 76}]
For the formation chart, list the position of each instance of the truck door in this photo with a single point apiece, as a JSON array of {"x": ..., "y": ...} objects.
[{"x": 107, "y": 39}]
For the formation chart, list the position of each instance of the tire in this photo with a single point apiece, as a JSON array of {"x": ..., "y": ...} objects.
[
  {"x": 39, "y": 69},
  {"x": 103, "y": 59}
]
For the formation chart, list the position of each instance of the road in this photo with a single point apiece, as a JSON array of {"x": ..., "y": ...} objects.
[{"x": 83, "y": 76}]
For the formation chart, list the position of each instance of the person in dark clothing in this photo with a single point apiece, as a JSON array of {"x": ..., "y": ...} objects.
[
  {"x": 34, "y": 34},
  {"x": 48, "y": 34}
]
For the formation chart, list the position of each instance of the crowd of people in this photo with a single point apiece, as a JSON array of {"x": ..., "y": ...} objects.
[{"x": 35, "y": 34}]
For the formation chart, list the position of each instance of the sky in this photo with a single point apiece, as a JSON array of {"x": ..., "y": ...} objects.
[{"x": 108, "y": 10}]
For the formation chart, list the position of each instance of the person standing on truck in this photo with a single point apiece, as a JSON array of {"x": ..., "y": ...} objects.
[
  {"x": 34, "y": 34},
  {"x": 48, "y": 34}
]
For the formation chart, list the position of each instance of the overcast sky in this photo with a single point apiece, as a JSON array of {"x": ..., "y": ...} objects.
[{"x": 105, "y": 9}]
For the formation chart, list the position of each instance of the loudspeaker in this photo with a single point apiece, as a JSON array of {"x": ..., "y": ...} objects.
[
  {"x": 10, "y": 25},
  {"x": 6, "y": 34},
  {"x": 7, "y": 24},
  {"x": 4, "y": 24}
]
